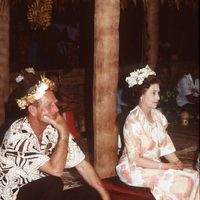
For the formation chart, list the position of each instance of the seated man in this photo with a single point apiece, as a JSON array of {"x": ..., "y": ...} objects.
[
  {"x": 188, "y": 92},
  {"x": 38, "y": 147}
]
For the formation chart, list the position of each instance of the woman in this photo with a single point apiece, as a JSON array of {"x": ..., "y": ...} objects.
[{"x": 146, "y": 141}]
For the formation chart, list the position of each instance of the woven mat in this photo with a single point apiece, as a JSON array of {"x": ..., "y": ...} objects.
[
  {"x": 71, "y": 177},
  {"x": 71, "y": 180},
  {"x": 188, "y": 156}
]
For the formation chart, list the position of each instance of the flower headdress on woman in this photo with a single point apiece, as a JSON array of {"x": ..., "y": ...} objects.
[
  {"x": 20, "y": 77},
  {"x": 137, "y": 77},
  {"x": 36, "y": 93},
  {"x": 30, "y": 70}
]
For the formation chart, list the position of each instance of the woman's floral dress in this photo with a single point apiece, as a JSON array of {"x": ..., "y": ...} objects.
[{"x": 151, "y": 141}]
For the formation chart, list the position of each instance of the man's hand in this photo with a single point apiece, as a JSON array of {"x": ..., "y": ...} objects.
[
  {"x": 60, "y": 124},
  {"x": 55, "y": 166}
]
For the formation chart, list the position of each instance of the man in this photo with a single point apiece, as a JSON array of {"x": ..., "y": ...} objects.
[
  {"x": 188, "y": 91},
  {"x": 37, "y": 148}
]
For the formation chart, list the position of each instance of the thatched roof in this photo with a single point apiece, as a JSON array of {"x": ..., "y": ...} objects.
[{"x": 39, "y": 12}]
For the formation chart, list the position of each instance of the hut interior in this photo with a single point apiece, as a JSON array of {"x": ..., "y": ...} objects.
[{"x": 66, "y": 45}]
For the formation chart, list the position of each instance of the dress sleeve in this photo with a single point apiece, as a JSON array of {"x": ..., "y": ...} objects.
[
  {"x": 167, "y": 145},
  {"x": 131, "y": 139}
]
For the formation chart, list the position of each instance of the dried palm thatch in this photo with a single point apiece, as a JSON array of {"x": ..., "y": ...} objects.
[
  {"x": 40, "y": 11},
  {"x": 39, "y": 14}
]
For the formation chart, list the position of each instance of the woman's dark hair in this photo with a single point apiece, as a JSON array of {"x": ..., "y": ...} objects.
[{"x": 139, "y": 90}]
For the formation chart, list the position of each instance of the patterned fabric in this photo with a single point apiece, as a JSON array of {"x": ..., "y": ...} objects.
[
  {"x": 21, "y": 155},
  {"x": 151, "y": 141},
  {"x": 187, "y": 86}
]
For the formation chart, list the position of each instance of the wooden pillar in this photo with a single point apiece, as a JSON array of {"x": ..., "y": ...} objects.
[
  {"x": 152, "y": 10},
  {"x": 4, "y": 57},
  {"x": 105, "y": 79}
]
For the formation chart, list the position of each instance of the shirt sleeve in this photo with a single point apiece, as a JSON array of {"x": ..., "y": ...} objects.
[
  {"x": 184, "y": 87},
  {"x": 196, "y": 87},
  {"x": 75, "y": 154}
]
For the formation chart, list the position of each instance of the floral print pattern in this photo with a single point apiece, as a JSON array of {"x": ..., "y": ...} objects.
[{"x": 151, "y": 141}]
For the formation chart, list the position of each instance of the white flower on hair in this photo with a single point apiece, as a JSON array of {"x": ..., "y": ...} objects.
[
  {"x": 30, "y": 70},
  {"x": 19, "y": 78},
  {"x": 40, "y": 91},
  {"x": 22, "y": 104},
  {"x": 137, "y": 77}
]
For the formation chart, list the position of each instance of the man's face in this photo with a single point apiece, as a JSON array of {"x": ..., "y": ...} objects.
[
  {"x": 47, "y": 106},
  {"x": 195, "y": 73},
  {"x": 165, "y": 75}
]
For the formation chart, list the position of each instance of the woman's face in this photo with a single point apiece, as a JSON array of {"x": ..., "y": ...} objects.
[{"x": 151, "y": 97}]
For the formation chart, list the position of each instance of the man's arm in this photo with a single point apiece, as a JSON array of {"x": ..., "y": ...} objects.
[
  {"x": 90, "y": 176},
  {"x": 192, "y": 99},
  {"x": 55, "y": 166}
]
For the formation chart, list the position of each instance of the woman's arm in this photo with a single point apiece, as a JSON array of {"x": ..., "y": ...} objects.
[
  {"x": 146, "y": 163},
  {"x": 174, "y": 159}
]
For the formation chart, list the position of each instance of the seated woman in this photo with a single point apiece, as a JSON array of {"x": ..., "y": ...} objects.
[{"x": 147, "y": 141}]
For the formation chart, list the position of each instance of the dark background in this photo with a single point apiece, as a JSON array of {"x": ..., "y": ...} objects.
[{"x": 178, "y": 35}]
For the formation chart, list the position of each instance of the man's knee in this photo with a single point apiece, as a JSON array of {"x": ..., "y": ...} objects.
[{"x": 55, "y": 182}]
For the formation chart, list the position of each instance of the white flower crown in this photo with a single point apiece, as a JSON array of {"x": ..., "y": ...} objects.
[
  {"x": 37, "y": 93},
  {"x": 19, "y": 78},
  {"x": 137, "y": 77},
  {"x": 30, "y": 70}
]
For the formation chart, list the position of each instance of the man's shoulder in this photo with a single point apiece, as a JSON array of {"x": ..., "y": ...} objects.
[
  {"x": 185, "y": 77},
  {"x": 19, "y": 126},
  {"x": 20, "y": 121},
  {"x": 185, "y": 80}
]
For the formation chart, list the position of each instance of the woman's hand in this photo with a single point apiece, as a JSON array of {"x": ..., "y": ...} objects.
[
  {"x": 180, "y": 165},
  {"x": 177, "y": 166},
  {"x": 174, "y": 162}
]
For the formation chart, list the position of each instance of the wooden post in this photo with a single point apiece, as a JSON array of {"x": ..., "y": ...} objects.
[
  {"x": 152, "y": 11},
  {"x": 4, "y": 57},
  {"x": 106, "y": 67}
]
